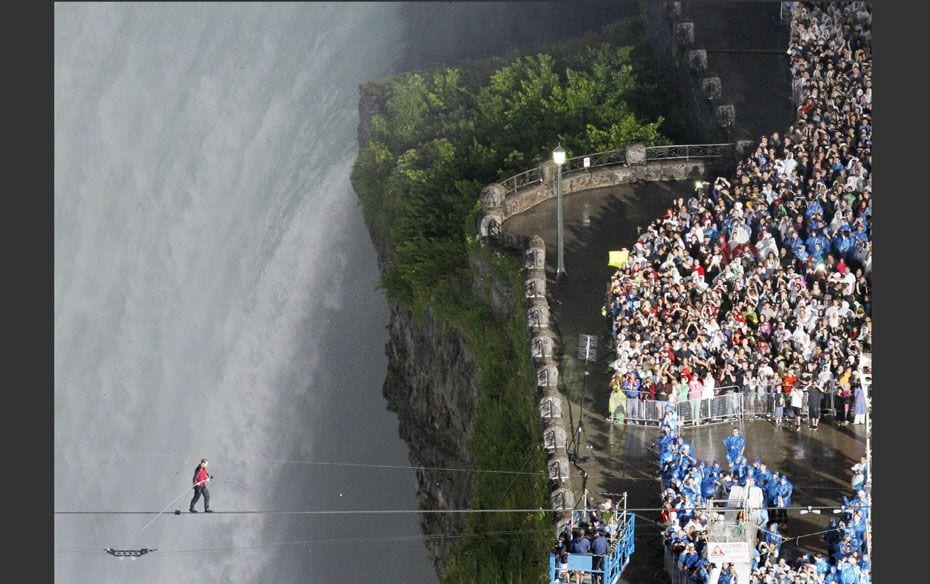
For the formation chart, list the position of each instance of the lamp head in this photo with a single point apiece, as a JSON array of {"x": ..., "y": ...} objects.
[{"x": 558, "y": 155}]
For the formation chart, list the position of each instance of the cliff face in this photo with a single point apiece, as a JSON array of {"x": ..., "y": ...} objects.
[{"x": 430, "y": 385}]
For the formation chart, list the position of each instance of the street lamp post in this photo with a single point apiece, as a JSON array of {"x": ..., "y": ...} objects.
[{"x": 558, "y": 156}]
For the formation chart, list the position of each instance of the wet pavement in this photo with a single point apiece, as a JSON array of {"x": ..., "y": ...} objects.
[{"x": 622, "y": 458}]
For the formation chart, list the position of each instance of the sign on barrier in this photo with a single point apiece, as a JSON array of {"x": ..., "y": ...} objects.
[
  {"x": 580, "y": 562},
  {"x": 727, "y": 551}
]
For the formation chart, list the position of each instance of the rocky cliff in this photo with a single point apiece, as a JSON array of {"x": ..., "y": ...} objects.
[{"x": 431, "y": 386}]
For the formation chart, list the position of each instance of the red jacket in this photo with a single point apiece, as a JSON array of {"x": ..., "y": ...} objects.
[{"x": 200, "y": 476}]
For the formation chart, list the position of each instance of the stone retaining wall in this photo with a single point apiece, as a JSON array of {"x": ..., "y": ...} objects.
[{"x": 552, "y": 404}]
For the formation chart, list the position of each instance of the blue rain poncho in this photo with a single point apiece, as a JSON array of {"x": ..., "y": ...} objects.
[
  {"x": 762, "y": 477},
  {"x": 785, "y": 489},
  {"x": 708, "y": 487},
  {"x": 772, "y": 536},
  {"x": 728, "y": 575},
  {"x": 735, "y": 446},
  {"x": 849, "y": 574}
]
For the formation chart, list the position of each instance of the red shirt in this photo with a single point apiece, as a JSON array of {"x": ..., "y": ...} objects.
[
  {"x": 200, "y": 476},
  {"x": 686, "y": 371}
]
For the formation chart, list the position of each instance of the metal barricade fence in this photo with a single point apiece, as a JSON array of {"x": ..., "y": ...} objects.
[
  {"x": 709, "y": 410},
  {"x": 758, "y": 402},
  {"x": 675, "y": 574},
  {"x": 761, "y": 403}
]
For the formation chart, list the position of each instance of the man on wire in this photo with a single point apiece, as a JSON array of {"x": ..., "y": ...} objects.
[{"x": 200, "y": 486}]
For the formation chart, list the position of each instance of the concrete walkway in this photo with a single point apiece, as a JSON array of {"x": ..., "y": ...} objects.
[{"x": 623, "y": 458}]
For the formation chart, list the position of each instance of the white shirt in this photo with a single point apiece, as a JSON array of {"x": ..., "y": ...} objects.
[{"x": 706, "y": 391}]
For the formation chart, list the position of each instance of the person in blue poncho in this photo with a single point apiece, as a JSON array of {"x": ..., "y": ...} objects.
[
  {"x": 735, "y": 445},
  {"x": 790, "y": 239},
  {"x": 799, "y": 250},
  {"x": 817, "y": 245},
  {"x": 842, "y": 548},
  {"x": 818, "y": 252},
  {"x": 832, "y": 534},
  {"x": 668, "y": 438},
  {"x": 691, "y": 488},
  {"x": 740, "y": 468},
  {"x": 688, "y": 558},
  {"x": 728, "y": 574},
  {"x": 701, "y": 572},
  {"x": 709, "y": 486},
  {"x": 843, "y": 244},
  {"x": 858, "y": 527},
  {"x": 858, "y": 503},
  {"x": 864, "y": 563},
  {"x": 699, "y": 471},
  {"x": 669, "y": 474},
  {"x": 762, "y": 476},
  {"x": 770, "y": 489},
  {"x": 849, "y": 572},
  {"x": 821, "y": 563},
  {"x": 774, "y": 537},
  {"x": 684, "y": 459},
  {"x": 684, "y": 509},
  {"x": 813, "y": 208},
  {"x": 782, "y": 491}
]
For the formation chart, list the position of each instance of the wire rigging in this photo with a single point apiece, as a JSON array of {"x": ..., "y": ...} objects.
[
  {"x": 399, "y": 511},
  {"x": 361, "y": 465},
  {"x": 604, "y": 475}
]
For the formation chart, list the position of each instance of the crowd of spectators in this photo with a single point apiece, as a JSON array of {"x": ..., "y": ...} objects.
[
  {"x": 762, "y": 284},
  {"x": 689, "y": 484}
]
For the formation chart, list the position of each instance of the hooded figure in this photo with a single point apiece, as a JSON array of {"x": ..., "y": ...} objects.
[
  {"x": 708, "y": 487},
  {"x": 684, "y": 460},
  {"x": 740, "y": 470},
  {"x": 771, "y": 490},
  {"x": 727, "y": 575},
  {"x": 785, "y": 489},
  {"x": 762, "y": 476},
  {"x": 773, "y": 536},
  {"x": 821, "y": 564},
  {"x": 735, "y": 445},
  {"x": 849, "y": 573}
]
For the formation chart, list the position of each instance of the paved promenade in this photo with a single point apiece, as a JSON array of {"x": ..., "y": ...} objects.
[{"x": 622, "y": 458}]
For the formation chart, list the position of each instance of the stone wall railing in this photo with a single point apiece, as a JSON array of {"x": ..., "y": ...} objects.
[{"x": 636, "y": 162}]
